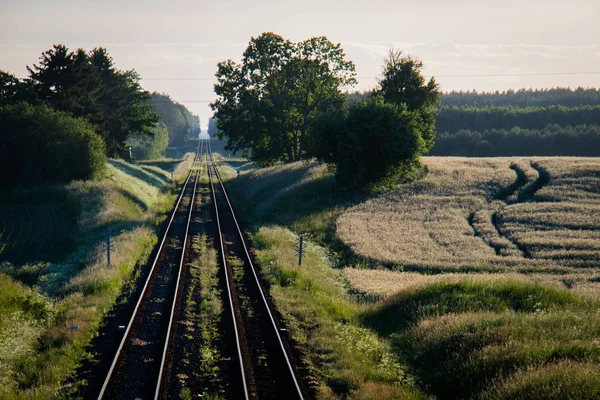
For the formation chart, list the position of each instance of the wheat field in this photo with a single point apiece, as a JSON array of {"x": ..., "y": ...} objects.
[{"x": 485, "y": 214}]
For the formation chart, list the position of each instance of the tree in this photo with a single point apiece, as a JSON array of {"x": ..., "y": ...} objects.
[
  {"x": 267, "y": 102},
  {"x": 13, "y": 90},
  {"x": 370, "y": 143},
  {"x": 180, "y": 122},
  {"x": 212, "y": 126},
  {"x": 146, "y": 147},
  {"x": 378, "y": 141},
  {"x": 403, "y": 84},
  {"x": 86, "y": 84},
  {"x": 42, "y": 145}
]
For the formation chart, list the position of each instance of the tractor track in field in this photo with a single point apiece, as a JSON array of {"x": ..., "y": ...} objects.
[{"x": 520, "y": 191}]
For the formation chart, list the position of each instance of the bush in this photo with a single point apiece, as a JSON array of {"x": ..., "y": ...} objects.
[
  {"x": 370, "y": 143},
  {"x": 144, "y": 147},
  {"x": 41, "y": 145}
]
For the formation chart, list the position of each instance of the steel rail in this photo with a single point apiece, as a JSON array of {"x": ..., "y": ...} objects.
[
  {"x": 140, "y": 299},
  {"x": 229, "y": 293},
  {"x": 181, "y": 261},
  {"x": 266, "y": 304}
]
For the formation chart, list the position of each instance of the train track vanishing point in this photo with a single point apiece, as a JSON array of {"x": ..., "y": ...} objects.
[{"x": 142, "y": 364}]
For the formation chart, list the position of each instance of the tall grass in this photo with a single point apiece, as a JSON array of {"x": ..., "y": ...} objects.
[
  {"x": 343, "y": 359},
  {"x": 380, "y": 283},
  {"x": 48, "y": 327},
  {"x": 497, "y": 332},
  {"x": 466, "y": 338}
]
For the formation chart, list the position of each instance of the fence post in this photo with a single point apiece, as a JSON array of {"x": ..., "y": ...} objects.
[
  {"x": 108, "y": 249},
  {"x": 109, "y": 246},
  {"x": 300, "y": 249}
]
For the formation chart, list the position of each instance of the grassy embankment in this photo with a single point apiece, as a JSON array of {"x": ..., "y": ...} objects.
[
  {"x": 51, "y": 307},
  {"x": 344, "y": 358},
  {"x": 525, "y": 331}
]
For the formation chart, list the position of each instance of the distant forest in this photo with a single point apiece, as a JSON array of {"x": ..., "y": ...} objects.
[
  {"x": 524, "y": 98},
  {"x": 76, "y": 108},
  {"x": 180, "y": 122},
  {"x": 176, "y": 124},
  {"x": 548, "y": 122}
]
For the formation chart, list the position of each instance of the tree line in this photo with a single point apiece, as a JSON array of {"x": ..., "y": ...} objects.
[
  {"x": 179, "y": 121},
  {"x": 524, "y": 98},
  {"x": 537, "y": 123},
  {"x": 80, "y": 94},
  {"x": 284, "y": 102},
  {"x": 452, "y": 118},
  {"x": 176, "y": 125},
  {"x": 552, "y": 140}
]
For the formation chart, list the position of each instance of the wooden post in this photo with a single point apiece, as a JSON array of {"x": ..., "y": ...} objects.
[
  {"x": 108, "y": 249},
  {"x": 300, "y": 250}
]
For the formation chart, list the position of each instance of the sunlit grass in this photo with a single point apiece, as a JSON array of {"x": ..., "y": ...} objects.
[
  {"x": 460, "y": 335},
  {"x": 344, "y": 359},
  {"x": 80, "y": 288},
  {"x": 523, "y": 317}
]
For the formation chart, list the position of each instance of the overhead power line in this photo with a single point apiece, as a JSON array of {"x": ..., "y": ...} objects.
[
  {"x": 520, "y": 74},
  {"x": 204, "y": 78}
]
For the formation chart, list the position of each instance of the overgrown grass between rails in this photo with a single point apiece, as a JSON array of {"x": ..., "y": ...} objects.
[
  {"x": 209, "y": 312},
  {"x": 342, "y": 359},
  {"x": 80, "y": 289}
]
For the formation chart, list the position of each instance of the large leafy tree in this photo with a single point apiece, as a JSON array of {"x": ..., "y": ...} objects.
[
  {"x": 14, "y": 90},
  {"x": 404, "y": 84},
  {"x": 87, "y": 84},
  {"x": 267, "y": 102},
  {"x": 41, "y": 145}
]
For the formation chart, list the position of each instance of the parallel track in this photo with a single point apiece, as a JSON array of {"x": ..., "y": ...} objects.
[
  {"x": 137, "y": 367},
  {"x": 142, "y": 365},
  {"x": 265, "y": 364}
]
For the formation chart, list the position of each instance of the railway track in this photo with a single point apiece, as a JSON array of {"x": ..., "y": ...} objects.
[
  {"x": 259, "y": 363},
  {"x": 138, "y": 366},
  {"x": 266, "y": 368}
]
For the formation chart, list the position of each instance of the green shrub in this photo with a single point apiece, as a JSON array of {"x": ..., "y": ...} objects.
[
  {"x": 470, "y": 337},
  {"x": 41, "y": 145},
  {"x": 458, "y": 356},
  {"x": 371, "y": 143}
]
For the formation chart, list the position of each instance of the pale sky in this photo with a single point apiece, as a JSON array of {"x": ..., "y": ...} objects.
[{"x": 175, "y": 45}]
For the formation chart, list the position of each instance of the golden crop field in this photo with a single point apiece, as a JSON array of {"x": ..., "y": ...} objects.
[{"x": 485, "y": 214}]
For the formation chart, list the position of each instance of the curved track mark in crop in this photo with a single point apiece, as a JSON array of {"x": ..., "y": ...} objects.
[
  {"x": 479, "y": 233},
  {"x": 526, "y": 194},
  {"x": 519, "y": 183},
  {"x": 521, "y": 190},
  {"x": 504, "y": 195},
  {"x": 543, "y": 179},
  {"x": 522, "y": 249}
]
